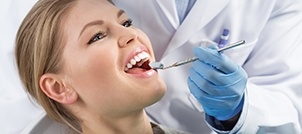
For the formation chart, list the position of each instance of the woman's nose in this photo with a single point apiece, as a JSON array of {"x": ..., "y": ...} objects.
[{"x": 127, "y": 36}]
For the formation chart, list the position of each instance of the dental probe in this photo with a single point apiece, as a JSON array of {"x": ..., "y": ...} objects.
[{"x": 158, "y": 65}]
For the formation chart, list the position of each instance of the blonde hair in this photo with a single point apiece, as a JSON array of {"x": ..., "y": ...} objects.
[{"x": 39, "y": 47}]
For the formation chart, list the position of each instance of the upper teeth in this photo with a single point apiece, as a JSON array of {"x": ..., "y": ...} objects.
[{"x": 138, "y": 60}]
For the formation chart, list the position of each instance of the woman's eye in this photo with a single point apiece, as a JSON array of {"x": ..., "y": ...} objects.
[
  {"x": 127, "y": 23},
  {"x": 96, "y": 37}
]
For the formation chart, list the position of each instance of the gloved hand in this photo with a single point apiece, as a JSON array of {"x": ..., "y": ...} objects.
[{"x": 217, "y": 83}]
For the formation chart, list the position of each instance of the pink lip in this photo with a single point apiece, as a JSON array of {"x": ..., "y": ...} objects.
[
  {"x": 135, "y": 52},
  {"x": 145, "y": 74}
]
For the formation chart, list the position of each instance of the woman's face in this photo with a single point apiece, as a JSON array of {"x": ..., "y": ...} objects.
[{"x": 100, "y": 45}]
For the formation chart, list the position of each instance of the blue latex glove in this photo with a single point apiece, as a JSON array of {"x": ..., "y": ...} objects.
[{"x": 217, "y": 83}]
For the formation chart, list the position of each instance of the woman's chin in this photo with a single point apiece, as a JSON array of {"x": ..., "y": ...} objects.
[{"x": 160, "y": 91}]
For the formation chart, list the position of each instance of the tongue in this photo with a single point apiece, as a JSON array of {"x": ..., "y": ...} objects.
[{"x": 135, "y": 70}]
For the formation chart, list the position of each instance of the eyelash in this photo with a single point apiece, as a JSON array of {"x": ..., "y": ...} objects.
[
  {"x": 96, "y": 37},
  {"x": 101, "y": 35},
  {"x": 128, "y": 23}
]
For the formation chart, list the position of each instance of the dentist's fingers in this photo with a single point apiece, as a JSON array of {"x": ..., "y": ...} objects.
[{"x": 218, "y": 60}]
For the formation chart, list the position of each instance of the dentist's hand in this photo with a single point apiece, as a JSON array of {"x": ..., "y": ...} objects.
[{"x": 217, "y": 83}]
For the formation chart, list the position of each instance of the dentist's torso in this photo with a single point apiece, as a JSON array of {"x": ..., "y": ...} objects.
[{"x": 203, "y": 26}]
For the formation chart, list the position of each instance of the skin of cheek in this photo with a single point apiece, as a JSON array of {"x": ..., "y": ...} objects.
[
  {"x": 93, "y": 74},
  {"x": 99, "y": 83}
]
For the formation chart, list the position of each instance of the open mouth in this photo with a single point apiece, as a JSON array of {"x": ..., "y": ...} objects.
[{"x": 138, "y": 64}]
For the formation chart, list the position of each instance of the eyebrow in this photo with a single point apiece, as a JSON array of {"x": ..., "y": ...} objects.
[{"x": 99, "y": 22}]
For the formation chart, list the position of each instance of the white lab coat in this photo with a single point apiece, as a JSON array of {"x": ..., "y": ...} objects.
[{"x": 271, "y": 56}]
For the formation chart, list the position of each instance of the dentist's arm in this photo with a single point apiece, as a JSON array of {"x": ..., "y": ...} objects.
[{"x": 218, "y": 84}]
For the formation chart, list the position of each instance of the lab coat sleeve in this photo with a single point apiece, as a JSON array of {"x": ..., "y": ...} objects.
[{"x": 273, "y": 92}]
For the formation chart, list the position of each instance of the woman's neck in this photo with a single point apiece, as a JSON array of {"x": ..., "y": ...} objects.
[{"x": 130, "y": 124}]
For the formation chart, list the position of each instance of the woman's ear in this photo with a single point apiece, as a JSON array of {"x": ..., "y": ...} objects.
[{"x": 56, "y": 89}]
